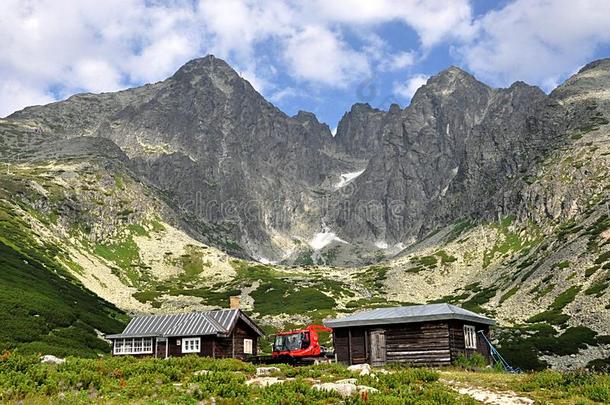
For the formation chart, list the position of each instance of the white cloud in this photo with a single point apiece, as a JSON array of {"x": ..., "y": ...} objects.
[
  {"x": 91, "y": 45},
  {"x": 408, "y": 89},
  {"x": 283, "y": 94},
  {"x": 400, "y": 61},
  {"x": 317, "y": 54},
  {"x": 433, "y": 21},
  {"x": 538, "y": 41},
  {"x": 95, "y": 75},
  {"x": 14, "y": 96}
]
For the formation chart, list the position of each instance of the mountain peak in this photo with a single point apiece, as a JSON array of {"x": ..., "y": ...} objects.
[
  {"x": 601, "y": 64},
  {"x": 592, "y": 82},
  {"x": 207, "y": 65},
  {"x": 305, "y": 116},
  {"x": 449, "y": 81}
]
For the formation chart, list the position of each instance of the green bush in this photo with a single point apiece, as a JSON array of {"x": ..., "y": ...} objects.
[
  {"x": 595, "y": 387},
  {"x": 43, "y": 309},
  {"x": 174, "y": 380},
  {"x": 474, "y": 361}
]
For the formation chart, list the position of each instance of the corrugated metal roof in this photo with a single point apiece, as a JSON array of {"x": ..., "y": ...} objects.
[
  {"x": 217, "y": 322},
  {"x": 410, "y": 314}
]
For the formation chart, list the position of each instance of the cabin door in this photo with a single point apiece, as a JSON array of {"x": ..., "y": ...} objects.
[{"x": 377, "y": 348}]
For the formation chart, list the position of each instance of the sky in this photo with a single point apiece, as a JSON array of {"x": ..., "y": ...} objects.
[{"x": 314, "y": 55}]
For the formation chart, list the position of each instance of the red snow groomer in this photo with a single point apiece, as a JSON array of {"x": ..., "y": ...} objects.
[{"x": 301, "y": 346}]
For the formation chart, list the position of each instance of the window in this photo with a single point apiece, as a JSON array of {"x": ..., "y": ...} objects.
[
  {"x": 470, "y": 337},
  {"x": 133, "y": 346},
  {"x": 247, "y": 346},
  {"x": 191, "y": 345},
  {"x": 147, "y": 345}
]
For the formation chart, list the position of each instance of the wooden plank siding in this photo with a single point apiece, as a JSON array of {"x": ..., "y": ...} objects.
[
  {"x": 210, "y": 346},
  {"x": 233, "y": 345},
  {"x": 341, "y": 344},
  {"x": 418, "y": 343},
  {"x": 457, "y": 343},
  {"x": 358, "y": 346},
  {"x": 424, "y": 343}
]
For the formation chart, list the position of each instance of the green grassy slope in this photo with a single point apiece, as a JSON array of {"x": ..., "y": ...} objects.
[{"x": 43, "y": 309}]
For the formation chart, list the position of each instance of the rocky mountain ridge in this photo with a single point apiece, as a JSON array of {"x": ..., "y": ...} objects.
[{"x": 276, "y": 184}]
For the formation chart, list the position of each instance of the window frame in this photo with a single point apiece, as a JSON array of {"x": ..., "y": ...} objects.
[
  {"x": 251, "y": 344},
  {"x": 142, "y": 348},
  {"x": 188, "y": 345},
  {"x": 470, "y": 337}
]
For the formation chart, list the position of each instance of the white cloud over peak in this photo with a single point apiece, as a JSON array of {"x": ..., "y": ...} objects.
[
  {"x": 407, "y": 89},
  {"x": 433, "y": 21},
  {"x": 538, "y": 41},
  {"x": 399, "y": 61},
  {"x": 87, "y": 45},
  {"x": 317, "y": 54},
  {"x": 53, "y": 48}
]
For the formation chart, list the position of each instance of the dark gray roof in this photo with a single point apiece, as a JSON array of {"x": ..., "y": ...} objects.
[
  {"x": 218, "y": 322},
  {"x": 415, "y": 313}
]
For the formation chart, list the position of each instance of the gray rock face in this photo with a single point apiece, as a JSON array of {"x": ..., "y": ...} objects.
[
  {"x": 447, "y": 156},
  {"x": 259, "y": 183},
  {"x": 207, "y": 139}
]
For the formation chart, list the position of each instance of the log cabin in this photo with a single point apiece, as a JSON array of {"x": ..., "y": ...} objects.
[
  {"x": 220, "y": 333},
  {"x": 430, "y": 335}
]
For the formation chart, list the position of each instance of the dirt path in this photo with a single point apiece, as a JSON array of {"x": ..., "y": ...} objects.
[{"x": 486, "y": 396}]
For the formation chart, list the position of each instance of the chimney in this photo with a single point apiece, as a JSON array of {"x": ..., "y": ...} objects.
[{"x": 234, "y": 302}]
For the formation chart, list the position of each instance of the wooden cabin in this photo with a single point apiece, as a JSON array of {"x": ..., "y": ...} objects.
[
  {"x": 430, "y": 335},
  {"x": 220, "y": 333}
]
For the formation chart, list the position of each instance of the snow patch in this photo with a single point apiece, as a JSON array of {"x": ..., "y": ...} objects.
[
  {"x": 346, "y": 178},
  {"x": 454, "y": 171},
  {"x": 264, "y": 260},
  {"x": 325, "y": 238},
  {"x": 381, "y": 244}
]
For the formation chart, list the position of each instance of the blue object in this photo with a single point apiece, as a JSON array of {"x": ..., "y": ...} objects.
[{"x": 497, "y": 357}]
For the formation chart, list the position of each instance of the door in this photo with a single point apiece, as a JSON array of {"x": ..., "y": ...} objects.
[{"x": 377, "y": 347}]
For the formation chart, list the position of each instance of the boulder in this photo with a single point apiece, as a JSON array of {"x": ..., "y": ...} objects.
[
  {"x": 262, "y": 371},
  {"x": 366, "y": 388},
  {"x": 50, "y": 359},
  {"x": 361, "y": 369},
  {"x": 347, "y": 381},
  {"x": 264, "y": 381},
  {"x": 344, "y": 389}
]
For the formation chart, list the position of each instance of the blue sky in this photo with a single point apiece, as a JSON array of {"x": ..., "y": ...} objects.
[{"x": 314, "y": 55}]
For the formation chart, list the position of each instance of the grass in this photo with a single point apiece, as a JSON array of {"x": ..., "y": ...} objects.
[
  {"x": 565, "y": 298},
  {"x": 508, "y": 294},
  {"x": 445, "y": 258},
  {"x": 122, "y": 380},
  {"x": 554, "y": 316},
  {"x": 125, "y": 254},
  {"x": 597, "y": 288},
  {"x": 601, "y": 224},
  {"x": 42, "y": 307},
  {"x": 510, "y": 241},
  {"x": 278, "y": 294},
  {"x": 561, "y": 265},
  {"x": 523, "y": 345},
  {"x": 591, "y": 270},
  {"x": 545, "y": 387},
  {"x": 459, "y": 228},
  {"x": 374, "y": 277}
]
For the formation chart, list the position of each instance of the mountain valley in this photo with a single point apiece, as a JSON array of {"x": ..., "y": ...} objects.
[{"x": 176, "y": 195}]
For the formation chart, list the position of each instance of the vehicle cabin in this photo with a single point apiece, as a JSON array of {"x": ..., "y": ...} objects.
[
  {"x": 430, "y": 335},
  {"x": 220, "y": 333}
]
